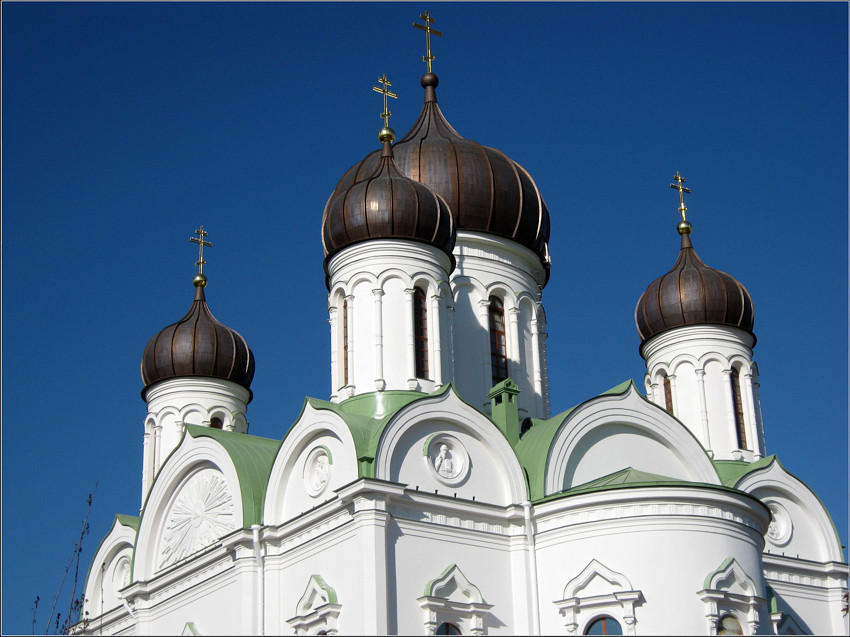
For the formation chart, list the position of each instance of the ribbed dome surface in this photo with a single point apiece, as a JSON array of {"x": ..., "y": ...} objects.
[
  {"x": 198, "y": 345},
  {"x": 692, "y": 293},
  {"x": 486, "y": 191},
  {"x": 384, "y": 204}
]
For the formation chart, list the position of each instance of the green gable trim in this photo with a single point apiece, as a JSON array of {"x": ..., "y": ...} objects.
[
  {"x": 130, "y": 521},
  {"x": 429, "y": 587},
  {"x": 366, "y": 416},
  {"x": 731, "y": 471},
  {"x": 321, "y": 583},
  {"x": 253, "y": 458}
]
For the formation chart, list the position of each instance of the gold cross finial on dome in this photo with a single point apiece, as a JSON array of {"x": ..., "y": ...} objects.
[
  {"x": 428, "y": 31},
  {"x": 386, "y": 93},
  {"x": 201, "y": 243},
  {"x": 684, "y": 225}
]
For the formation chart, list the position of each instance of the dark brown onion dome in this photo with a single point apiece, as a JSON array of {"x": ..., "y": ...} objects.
[
  {"x": 198, "y": 345},
  {"x": 486, "y": 191},
  {"x": 386, "y": 205},
  {"x": 692, "y": 293}
]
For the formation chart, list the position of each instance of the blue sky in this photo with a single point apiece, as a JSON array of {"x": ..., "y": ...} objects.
[{"x": 128, "y": 125}]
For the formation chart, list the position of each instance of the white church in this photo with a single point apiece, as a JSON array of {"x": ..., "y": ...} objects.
[{"x": 433, "y": 492}]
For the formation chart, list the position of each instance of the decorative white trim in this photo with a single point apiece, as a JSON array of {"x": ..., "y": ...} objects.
[
  {"x": 578, "y": 610},
  {"x": 730, "y": 591},
  {"x": 452, "y": 598},
  {"x": 317, "y": 610}
]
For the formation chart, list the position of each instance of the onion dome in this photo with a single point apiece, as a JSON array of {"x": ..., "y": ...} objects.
[
  {"x": 692, "y": 293},
  {"x": 198, "y": 345},
  {"x": 486, "y": 191},
  {"x": 385, "y": 204}
]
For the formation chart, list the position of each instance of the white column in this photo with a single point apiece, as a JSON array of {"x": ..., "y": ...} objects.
[
  {"x": 335, "y": 375},
  {"x": 535, "y": 362},
  {"x": 145, "y": 461},
  {"x": 349, "y": 327},
  {"x": 434, "y": 326},
  {"x": 655, "y": 394},
  {"x": 486, "y": 365},
  {"x": 752, "y": 431},
  {"x": 157, "y": 445},
  {"x": 380, "y": 384},
  {"x": 730, "y": 408},
  {"x": 450, "y": 327},
  {"x": 410, "y": 338},
  {"x": 672, "y": 379},
  {"x": 514, "y": 347},
  {"x": 703, "y": 411}
]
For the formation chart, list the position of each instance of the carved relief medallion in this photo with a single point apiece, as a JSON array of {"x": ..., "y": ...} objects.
[
  {"x": 121, "y": 575},
  {"x": 317, "y": 471},
  {"x": 780, "y": 528},
  {"x": 201, "y": 514},
  {"x": 447, "y": 459}
]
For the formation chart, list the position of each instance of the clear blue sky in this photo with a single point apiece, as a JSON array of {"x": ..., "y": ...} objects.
[{"x": 127, "y": 125}]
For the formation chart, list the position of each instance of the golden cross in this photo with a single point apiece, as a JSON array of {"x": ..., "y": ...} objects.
[
  {"x": 428, "y": 31},
  {"x": 682, "y": 190},
  {"x": 386, "y": 93},
  {"x": 201, "y": 243}
]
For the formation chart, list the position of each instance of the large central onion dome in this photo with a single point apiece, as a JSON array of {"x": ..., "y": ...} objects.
[
  {"x": 692, "y": 293},
  {"x": 486, "y": 191},
  {"x": 385, "y": 204},
  {"x": 198, "y": 345}
]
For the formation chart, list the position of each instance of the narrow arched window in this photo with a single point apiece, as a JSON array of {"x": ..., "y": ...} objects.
[
  {"x": 728, "y": 625},
  {"x": 420, "y": 331},
  {"x": 668, "y": 395},
  {"x": 447, "y": 629},
  {"x": 216, "y": 423},
  {"x": 604, "y": 626},
  {"x": 345, "y": 341},
  {"x": 498, "y": 344},
  {"x": 738, "y": 407}
]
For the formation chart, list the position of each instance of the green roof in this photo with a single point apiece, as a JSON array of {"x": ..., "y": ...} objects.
[
  {"x": 532, "y": 450},
  {"x": 731, "y": 471},
  {"x": 253, "y": 458}
]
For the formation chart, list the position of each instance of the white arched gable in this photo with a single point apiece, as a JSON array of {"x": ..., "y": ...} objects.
[
  {"x": 596, "y": 579},
  {"x": 300, "y": 478},
  {"x": 800, "y": 524},
  {"x": 110, "y": 570},
  {"x": 478, "y": 462},
  {"x": 197, "y": 479},
  {"x": 611, "y": 433}
]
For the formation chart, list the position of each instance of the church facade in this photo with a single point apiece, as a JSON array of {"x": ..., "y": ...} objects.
[{"x": 434, "y": 492}]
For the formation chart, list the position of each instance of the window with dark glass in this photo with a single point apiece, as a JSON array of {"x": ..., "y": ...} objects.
[
  {"x": 604, "y": 626},
  {"x": 345, "y": 342},
  {"x": 420, "y": 331},
  {"x": 668, "y": 395},
  {"x": 498, "y": 344},
  {"x": 447, "y": 629},
  {"x": 215, "y": 422},
  {"x": 738, "y": 405}
]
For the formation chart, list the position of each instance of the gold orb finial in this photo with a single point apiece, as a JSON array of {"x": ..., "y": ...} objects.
[
  {"x": 684, "y": 227},
  {"x": 200, "y": 281},
  {"x": 386, "y": 134}
]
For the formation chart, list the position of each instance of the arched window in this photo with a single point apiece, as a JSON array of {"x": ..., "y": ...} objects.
[
  {"x": 345, "y": 341},
  {"x": 668, "y": 395},
  {"x": 728, "y": 625},
  {"x": 215, "y": 422},
  {"x": 738, "y": 407},
  {"x": 420, "y": 331},
  {"x": 604, "y": 626},
  {"x": 447, "y": 629},
  {"x": 498, "y": 345}
]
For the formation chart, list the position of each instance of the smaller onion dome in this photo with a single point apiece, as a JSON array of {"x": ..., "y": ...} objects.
[
  {"x": 692, "y": 293},
  {"x": 198, "y": 345},
  {"x": 386, "y": 204}
]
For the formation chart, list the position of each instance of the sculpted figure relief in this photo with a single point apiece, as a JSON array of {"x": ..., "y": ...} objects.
[{"x": 443, "y": 464}]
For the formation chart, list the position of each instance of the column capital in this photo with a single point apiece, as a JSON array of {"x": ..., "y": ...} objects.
[{"x": 378, "y": 292}]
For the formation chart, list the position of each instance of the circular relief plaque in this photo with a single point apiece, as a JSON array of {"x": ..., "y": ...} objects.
[
  {"x": 317, "y": 471},
  {"x": 780, "y": 528},
  {"x": 447, "y": 458}
]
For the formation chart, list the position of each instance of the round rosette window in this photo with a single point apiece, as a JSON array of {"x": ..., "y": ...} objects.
[
  {"x": 780, "y": 528},
  {"x": 317, "y": 471},
  {"x": 447, "y": 459}
]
